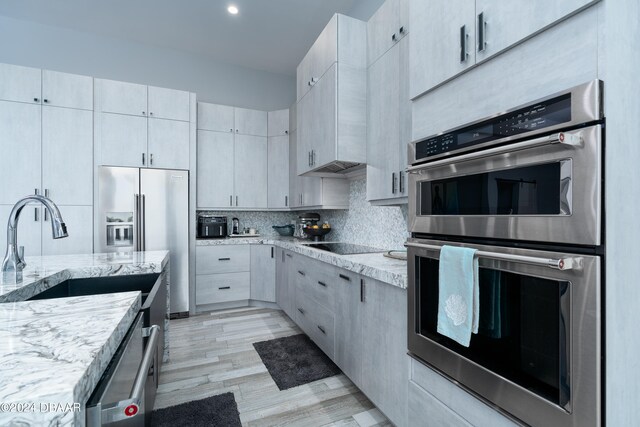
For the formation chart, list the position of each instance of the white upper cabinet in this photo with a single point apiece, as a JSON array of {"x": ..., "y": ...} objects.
[
  {"x": 383, "y": 30},
  {"x": 443, "y": 40},
  {"x": 215, "y": 169},
  {"x": 278, "y": 122},
  {"x": 67, "y": 90},
  {"x": 67, "y": 133},
  {"x": 505, "y": 23},
  {"x": 123, "y": 140},
  {"x": 20, "y": 145},
  {"x": 278, "y": 171},
  {"x": 168, "y": 144},
  {"x": 451, "y": 36},
  {"x": 168, "y": 103},
  {"x": 250, "y": 171},
  {"x": 142, "y": 126},
  {"x": 250, "y": 122},
  {"x": 22, "y": 84},
  {"x": 331, "y": 116},
  {"x": 215, "y": 117},
  {"x": 122, "y": 98}
]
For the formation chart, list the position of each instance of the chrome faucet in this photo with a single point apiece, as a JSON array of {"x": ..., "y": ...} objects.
[{"x": 13, "y": 262}]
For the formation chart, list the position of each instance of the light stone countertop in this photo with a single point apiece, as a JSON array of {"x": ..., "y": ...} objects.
[
  {"x": 44, "y": 272},
  {"x": 55, "y": 351},
  {"x": 373, "y": 265}
]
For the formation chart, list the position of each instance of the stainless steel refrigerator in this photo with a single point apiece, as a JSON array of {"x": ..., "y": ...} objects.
[{"x": 147, "y": 209}]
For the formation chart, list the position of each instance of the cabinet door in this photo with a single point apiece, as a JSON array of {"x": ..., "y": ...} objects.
[
  {"x": 20, "y": 145},
  {"x": 509, "y": 22},
  {"x": 278, "y": 122},
  {"x": 294, "y": 179},
  {"x": 67, "y": 90},
  {"x": 215, "y": 169},
  {"x": 278, "y": 172},
  {"x": 436, "y": 29},
  {"x": 311, "y": 190},
  {"x": 383, "y": 30},
  {"x": 263, "y": 273},
  {"x": 67, "y": 134},
  {"x": 282, "y": 281},
  {"x": 250, "y": 122},
  {"x": 22, "y": 84},
  {"x": 29, "y": 229},
  {"x": 123, "y": 98},
  {"x": 384, "y": 320},
  {"x": 405, "y": 114},
  {"x": 168, "y": 103},
  {"x": 383, "y": 127},
  {"x": 305, "y": 134},
  {"x": 79, "y": 222},
  {"x": 215, "y": 117},
  {"x": 324, "y": 51},
  {"x": 123, "y": 140},
  {"x": 292, "y": 277},
  {"x": 168, "y": 144},
  {"x": 323, "y": 118},
  {"x": 348, "y": 314},
  {"x": 250, "y": 171}
]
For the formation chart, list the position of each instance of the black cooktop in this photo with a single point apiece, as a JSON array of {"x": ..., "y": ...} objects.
[{"x": 344, "y": 248}]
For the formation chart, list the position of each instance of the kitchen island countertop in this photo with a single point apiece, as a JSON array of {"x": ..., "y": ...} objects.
[{"x": 53, "y": 353}]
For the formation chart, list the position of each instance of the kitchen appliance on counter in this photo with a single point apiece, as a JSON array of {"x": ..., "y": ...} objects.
[
  {"x": 235, "y": 229},
  {"x": 147, "y": 209},
  {"x": 305, "y": 220},
  {"x": 211, "y": 226},
  {"x": 523, "y": 188}
]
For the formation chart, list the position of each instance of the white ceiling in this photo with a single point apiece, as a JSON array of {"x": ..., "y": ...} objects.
[{"x": 268, "y": 35}]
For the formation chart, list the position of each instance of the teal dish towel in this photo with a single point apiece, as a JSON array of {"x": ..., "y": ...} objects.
[{"x": 459, "y": 295}]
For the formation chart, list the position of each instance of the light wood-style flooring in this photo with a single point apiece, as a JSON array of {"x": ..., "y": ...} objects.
[{"x": 212, "y": 354}]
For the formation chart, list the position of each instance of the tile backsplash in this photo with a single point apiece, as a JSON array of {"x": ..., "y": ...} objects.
[{"x": 378, "y": 226}]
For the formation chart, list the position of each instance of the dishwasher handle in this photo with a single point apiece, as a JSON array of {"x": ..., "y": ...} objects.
[{"x": 130, "y": 407}]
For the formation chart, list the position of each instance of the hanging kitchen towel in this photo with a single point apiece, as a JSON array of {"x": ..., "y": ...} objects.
[{"x": 459, "y": 297}]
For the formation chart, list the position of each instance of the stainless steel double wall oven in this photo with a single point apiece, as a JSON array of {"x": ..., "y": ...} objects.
[{"x": 524, "y": 188}]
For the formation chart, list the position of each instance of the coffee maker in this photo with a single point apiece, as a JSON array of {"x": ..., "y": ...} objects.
[
  {"x": 305, "y": 220},
  {"x": 235, "y": 227}
]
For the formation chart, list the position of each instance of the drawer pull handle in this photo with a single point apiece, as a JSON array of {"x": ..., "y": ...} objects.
[
  {"x": 289, "y": 255},
  {"x": 224, "y": 259},
  {"x": 343, "y": 277},
  {"x": 301, "y": 311},
  {"x": 301, "y": 273},
  {"x": 322, "y": 329},
  {"x": 322, "y": 284},
  {"x": 224, "y": 287}
]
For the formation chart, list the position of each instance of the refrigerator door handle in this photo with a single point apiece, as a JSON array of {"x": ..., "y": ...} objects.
[
  {"x": 142, "y": 223},
  {"x": 136, "y": 222}
]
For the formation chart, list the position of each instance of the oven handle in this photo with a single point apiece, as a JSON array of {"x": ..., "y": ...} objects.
[
  {"x": 573, "y": 140},
  {"x": 131, "y": 407},
  {"x": 569, "y": 263}
]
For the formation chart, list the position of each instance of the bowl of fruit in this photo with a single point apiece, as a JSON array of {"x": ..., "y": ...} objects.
[{"x": 317, "y": 232}]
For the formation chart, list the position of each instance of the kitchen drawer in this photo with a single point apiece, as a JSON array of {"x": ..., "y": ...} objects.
[
  {"x": 321, "y": 285},
  {"x": 315, "y": 320},
  {"x": 223, "y": 259},
  {"x": 215, "y": 288}
]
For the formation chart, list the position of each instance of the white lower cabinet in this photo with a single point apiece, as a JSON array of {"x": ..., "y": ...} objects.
[
  {"x": 427, "y": 411},
  {"x": 223, "y": 287},
  {"x": 263, "y": 273}
]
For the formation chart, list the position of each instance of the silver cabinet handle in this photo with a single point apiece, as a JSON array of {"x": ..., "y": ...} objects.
[
  {"x": 224, "y": 259},
  {"x": 224, "y": 287},
  {"x": 151, "y": 113},
  {"x": 144, "y": 114},
  {"x": 142, "y": 159},
  {"x": 151, "y": 159},
  {"x": 272, "y": 254},
  {"x": 324, "y": 285},
  {"x": 301, "y": 273},
  {"x": 574, "y": 140},
  {"x": 46, "y": 101},
  {"x": 236, "y": 200},
  {"x": 361, "y": 290},
  {"x": 393, "y": 37},
  {"x": 343, "y": 277},
  {"x": 464, "y": 37},
  {"x": 401, "y": 174},
  {"x": 313, "y": 157},
  {"x": 482, "y": 32},
  {"x": 231, "y": 200},
  {"x": 569, "y": 263},
  {"x": 231, "y": 130},
  {"x": 136, "y": 222},
  {"x": 322, "y": 329},
  {"x": 301, "y": 311},
  {"x": 286, "y": 132},
  {"x": 36, "y": 100},
  {"x": 309, "y": 158},
  {"x": 401, "y": 30},
  {"x": 35, "y": 211},
  {"x": 393, "y": 183},
  {"x": 286, "y": 201},
  {"x": 143, "y": 215}
]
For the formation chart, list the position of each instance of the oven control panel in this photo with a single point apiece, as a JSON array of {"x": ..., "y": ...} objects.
[{"x": 531, "y": 118}]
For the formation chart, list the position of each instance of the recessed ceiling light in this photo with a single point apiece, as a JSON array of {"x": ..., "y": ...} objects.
[{"x": 232, "y": 10}]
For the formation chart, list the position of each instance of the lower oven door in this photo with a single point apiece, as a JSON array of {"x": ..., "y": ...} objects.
[
  {"x": 537, "y": 351},
  {"x": 120, "y": 398},
  {"x": 544, "y": 189}
]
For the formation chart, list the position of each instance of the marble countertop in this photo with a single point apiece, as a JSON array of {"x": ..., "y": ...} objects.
[
  {"x": 53, "y": 352},
  {"x": 44, "y": 272},
  {"x": 373, "y": 265}
]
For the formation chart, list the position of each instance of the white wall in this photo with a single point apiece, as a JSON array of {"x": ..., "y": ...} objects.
[{"x": 35, "y": 45}]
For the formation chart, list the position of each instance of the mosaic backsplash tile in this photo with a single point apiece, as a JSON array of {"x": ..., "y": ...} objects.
[{"x": 379, "y": 226}]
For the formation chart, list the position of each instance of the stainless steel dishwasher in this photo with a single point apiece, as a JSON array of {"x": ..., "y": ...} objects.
[{"x": 126, "y": 392}]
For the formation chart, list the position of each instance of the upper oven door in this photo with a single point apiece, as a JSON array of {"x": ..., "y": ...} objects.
[{"x": 546, "y": 189}]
